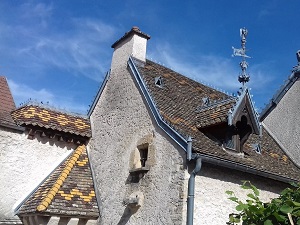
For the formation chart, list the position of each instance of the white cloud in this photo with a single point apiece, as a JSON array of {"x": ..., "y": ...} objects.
[
  {"x": 81, "y": 49},
  {"x": 23, "y": 94},
  {"x": 215, "y": 71}
]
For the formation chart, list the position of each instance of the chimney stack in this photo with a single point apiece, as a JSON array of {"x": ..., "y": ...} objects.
[{"x": 133, "y": 43}]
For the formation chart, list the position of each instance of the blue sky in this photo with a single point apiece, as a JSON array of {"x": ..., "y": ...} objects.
[{"x": 59, "y": 51}]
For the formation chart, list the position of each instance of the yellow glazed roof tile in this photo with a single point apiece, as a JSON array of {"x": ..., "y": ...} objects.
[
  {"x": 68, "y": 191},
  {"x": 47, "y": 118}
]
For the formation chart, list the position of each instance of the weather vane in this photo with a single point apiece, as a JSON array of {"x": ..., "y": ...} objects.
[{"x": 243, "y": 77}]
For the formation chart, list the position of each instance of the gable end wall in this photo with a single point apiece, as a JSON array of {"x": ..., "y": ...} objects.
[{"x": 119, "y": 121}]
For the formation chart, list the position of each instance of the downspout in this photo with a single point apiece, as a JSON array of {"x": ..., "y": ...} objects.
[{"x": 191, "y": 184}]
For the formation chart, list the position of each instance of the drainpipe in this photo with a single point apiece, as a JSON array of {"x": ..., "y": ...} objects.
[{"x": 191, "y": 191}]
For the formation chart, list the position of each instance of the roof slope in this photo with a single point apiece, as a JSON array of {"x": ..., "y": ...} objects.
[
  {"x": 68, "y": 191},
  {"x": 7, "y": 104},
  {"x": 179, "y": 101},
  {"x": 51, "y": 119}
]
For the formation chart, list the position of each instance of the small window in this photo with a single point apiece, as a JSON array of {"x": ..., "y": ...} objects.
[
  {"x": 158, "y": 81},
  {"x": 143, "y": 156}
]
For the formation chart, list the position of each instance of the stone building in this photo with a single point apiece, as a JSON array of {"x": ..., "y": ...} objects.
[
  {"x": 280, "y": 117},
  {"x": 157, "y": 148},
  {"x": 153, "y": 130},
  {"x": 45, "y": 175}
]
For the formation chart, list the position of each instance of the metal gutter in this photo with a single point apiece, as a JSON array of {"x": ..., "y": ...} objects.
[
  {"x": 240, "y": 167},
  {"x": 191, "y": 192},
  {"x": 178, "y": 138},
  {"x": 96, "y": 99},
  {"x": 14, "y": 127}
]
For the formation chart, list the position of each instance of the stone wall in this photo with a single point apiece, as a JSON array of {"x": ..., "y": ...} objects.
[
  {"x": 121, "y": 123},
  {"x": 284, "y": 121},
  {"x": 25, "y": 163},
  {"x": 212, "y": 205}
]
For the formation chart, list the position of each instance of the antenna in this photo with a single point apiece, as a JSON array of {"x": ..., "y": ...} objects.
[{"x": 243, "y": 77}]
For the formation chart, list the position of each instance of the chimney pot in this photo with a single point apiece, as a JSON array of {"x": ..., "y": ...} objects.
[{"x": 135, "y": 28}]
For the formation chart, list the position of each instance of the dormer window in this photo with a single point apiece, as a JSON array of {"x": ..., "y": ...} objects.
[
  {"x": 158, "y": 82},
  {"x": 238, "y": 134}
]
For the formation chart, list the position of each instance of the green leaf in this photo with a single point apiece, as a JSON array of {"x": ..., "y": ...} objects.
[
  {"x": 286, "y": 209},
  {"x": 241, "y": 207},
  {"x": 234, "y": 199},
  {"x": 268, "y": 222},
  {"x": 296, "y": 203},
  {"x": 298, "y": 222},
  {"x": 255, "y": 190},
  {"x": 252, "y": 196},
  {"x": 294, "y": 184},
  {"x": 229, "y": 192},
  {"x": 278, "y": 217}
]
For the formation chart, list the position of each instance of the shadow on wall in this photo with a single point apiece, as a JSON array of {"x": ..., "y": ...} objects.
[{"x": 128, "y": 212}]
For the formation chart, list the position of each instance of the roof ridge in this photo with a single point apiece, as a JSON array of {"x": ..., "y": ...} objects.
[
  {"x": 217, "y": 103},
  {"x": 188, "y": 78},
  {"x": 49, "y": 107},
  {"x": 58, "y": 183}
]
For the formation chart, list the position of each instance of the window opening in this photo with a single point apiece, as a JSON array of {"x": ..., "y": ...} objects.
[
  {"x": 143, "y": 156},
  {"x": 158, "y": 81}
]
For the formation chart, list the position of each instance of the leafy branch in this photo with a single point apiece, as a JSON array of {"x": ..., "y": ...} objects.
[{"x": 284, "y": 210}]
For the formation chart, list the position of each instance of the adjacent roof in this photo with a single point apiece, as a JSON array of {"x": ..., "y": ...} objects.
[
  {"x": 52, "y": 119},
  {"x": 7, "y": 104},
  {"x": 179, "y": 101},
  {"x": 281, "y": 92},
  {"x": 68, "y": 191}
]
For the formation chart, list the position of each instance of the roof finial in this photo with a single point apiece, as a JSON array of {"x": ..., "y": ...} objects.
[
  {"x": 297, "y": 67},
  {"x": 243, "y": 77}
]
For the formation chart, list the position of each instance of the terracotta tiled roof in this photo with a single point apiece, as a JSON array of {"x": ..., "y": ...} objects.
[
  {"x": 215, "y": 113},
  {"x": 69, "y": 190},
  {"x": 51, "y": 119},
  {"x": 179, "y": 100},
  {"x": 7, "y": 104}
]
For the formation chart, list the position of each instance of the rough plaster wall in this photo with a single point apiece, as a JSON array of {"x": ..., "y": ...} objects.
[
  {"x": 119, "y": 121},
  {"x": 212, "y": 205},
  {"x": 132, "y": 46},
  {"x": 284, "y": 122},
  {"x": 40, "y": 220},
  {"x": 24, "y": 163}
]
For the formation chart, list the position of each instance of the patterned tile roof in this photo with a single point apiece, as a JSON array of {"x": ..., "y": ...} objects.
[
  {"x": 7, "y": 104},
  {"x": 179, "y": 100},
  {"x": 215, "y": 113},
  {"x": 68, "y": 191},
  {"x": 51, "y": 119}
]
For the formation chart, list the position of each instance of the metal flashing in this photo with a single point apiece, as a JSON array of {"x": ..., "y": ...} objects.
[
  {"x": 279, "y": 95},
  {"x": 231, "y": 114},
  {"x": 243, "y": 168},
  {"x": 178, "y": 138},
  {"x": 96, "y": 99}
]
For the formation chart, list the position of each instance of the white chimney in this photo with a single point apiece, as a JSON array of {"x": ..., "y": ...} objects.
[{"x": 133, "y": 43}]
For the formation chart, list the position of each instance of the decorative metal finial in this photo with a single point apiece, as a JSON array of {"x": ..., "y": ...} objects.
[
  {"x": 297, "y": 67},
  {"x": 243, "y": 77}
]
